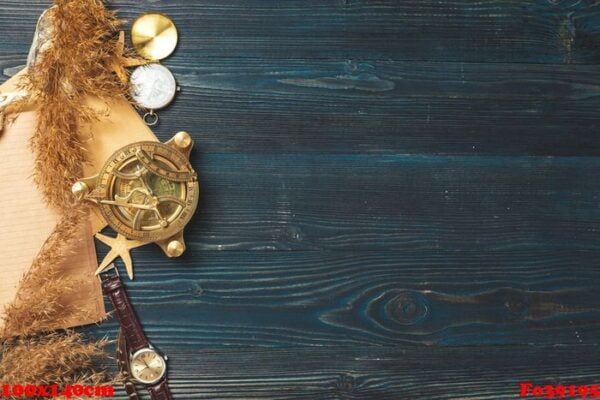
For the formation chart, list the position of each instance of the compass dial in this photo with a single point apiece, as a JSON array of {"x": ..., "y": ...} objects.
[{"x": 149, "y": 191}]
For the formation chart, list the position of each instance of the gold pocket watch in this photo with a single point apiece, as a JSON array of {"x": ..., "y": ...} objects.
[{"x": 147, "y": 192}]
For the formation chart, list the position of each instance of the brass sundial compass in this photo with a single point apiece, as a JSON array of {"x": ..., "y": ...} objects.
[{"x": 147, "y": 192}]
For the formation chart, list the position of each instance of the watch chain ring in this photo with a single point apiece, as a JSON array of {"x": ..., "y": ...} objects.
[{"x": 151, "y": 118}]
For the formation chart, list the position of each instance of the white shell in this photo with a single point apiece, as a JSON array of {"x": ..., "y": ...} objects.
[{"x": 153, "y": 86}]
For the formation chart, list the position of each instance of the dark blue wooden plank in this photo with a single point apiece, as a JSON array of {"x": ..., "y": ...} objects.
[
  {"x": 263, "y": 104},
  {"x": 359, "y": 373},
  {"x": 331, "y": 299},
  {"x": 460, "y": 30},
  {"x": 379, "y": 107},
  {"x": 349, "y": 202},
  {"x": 328, "y": 134},
  {"x": 384, "y": 107}
]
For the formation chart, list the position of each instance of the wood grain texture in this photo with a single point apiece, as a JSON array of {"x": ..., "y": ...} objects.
[
  {"x": 327, "y": 299},
  {"x": 413, "y": 108},
  {"x": 410, "y": 373},
  {"x": 376, "y": 202},
  {"x": 399, "y": 198},
  {"x": 406, "y": 107},
  {"x": 459, "y": 30}
]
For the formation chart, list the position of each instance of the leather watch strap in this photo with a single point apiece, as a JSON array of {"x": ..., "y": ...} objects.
[
  {"x": 131, "y": 338},
  {"x": 134, "y": 334},
  {"x": 124, "y": 367},
  {"x": 160, "y": 391}
]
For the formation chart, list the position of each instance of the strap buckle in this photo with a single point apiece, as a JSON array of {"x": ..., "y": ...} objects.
[{"x": 109, "y": 272}]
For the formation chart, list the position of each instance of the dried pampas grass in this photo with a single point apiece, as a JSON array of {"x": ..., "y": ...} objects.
[
  {"x": 80, "y": 62},
  {"x": 57, "y": 358},
  {"x": 38, "y": 306}
]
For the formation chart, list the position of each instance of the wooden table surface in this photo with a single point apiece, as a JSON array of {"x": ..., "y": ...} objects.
[{"x": 400, "y": 198}]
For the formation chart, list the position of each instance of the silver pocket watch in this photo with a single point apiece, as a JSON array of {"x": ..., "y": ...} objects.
[{"x": 153, "y": 87}]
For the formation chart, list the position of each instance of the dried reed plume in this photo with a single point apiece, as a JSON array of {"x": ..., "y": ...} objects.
[{"x": 79, "y": 63}]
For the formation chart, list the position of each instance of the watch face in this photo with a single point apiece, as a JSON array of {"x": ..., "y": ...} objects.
[
  {"x": 147, "y": 366},
  {"x": 154, "y": 86}
]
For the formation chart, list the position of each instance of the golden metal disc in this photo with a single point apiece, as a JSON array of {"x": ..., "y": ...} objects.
[{"x": 154, "y": 36}]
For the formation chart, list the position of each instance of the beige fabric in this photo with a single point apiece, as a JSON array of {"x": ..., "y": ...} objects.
[{"x": 25, "y": 221}]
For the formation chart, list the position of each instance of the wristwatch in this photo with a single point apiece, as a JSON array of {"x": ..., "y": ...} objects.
[{"x": 147, "y": 365}]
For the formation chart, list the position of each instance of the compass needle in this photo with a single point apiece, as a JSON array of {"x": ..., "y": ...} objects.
[{"x": 125, "y": 204}]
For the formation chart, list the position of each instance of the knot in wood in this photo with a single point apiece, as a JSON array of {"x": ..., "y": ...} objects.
[
  {"x": 345, "y": 384},
  {"x": 408, "y": 308},
  {"x": 516, "y": 302},
  {"x": 195, "y": 289}
]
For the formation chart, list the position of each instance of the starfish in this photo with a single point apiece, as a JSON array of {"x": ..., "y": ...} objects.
[
  {"x": 120, "y": 247},
  {"x": 121, "y": 62}
]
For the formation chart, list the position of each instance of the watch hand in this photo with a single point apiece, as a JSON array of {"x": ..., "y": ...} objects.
[{"x": 146, "y": 364}]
